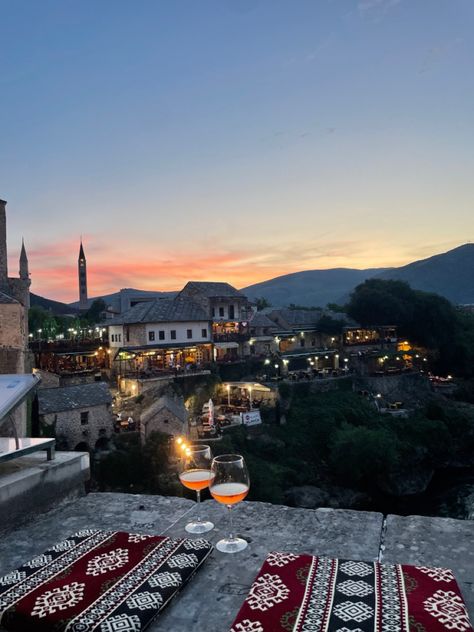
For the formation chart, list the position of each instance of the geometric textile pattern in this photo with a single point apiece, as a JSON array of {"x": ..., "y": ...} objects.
[
  {"x": 449, "y": 609},
  {"x": 58, "y": 599},
  {"x": 98, "y": 581},
  {"x": 353, "y": 611},
  {"x": 352, "y": 588},
  {"x": 303, "y": 593},
  {"x": 107, "y": 562},
  {"x": 438, "y": 574},
  {"x": 266, "y": 592}
]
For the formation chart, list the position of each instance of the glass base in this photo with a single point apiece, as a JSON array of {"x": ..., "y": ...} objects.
[
  {"x": 199, "y": 527},
  {"x": 231, "y": 546}
]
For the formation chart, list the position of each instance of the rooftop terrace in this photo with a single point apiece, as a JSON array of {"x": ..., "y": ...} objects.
[{"x": 211, "y": 601}]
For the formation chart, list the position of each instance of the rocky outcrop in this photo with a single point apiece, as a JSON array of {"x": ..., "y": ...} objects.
[{"x": 410, "y": 478}]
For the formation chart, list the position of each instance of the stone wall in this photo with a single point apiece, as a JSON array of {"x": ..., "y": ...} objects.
[
  {"x": 69, "y": 431},
  {"x": 163, "y": 421},
  {"x": 12, "y": 326}
]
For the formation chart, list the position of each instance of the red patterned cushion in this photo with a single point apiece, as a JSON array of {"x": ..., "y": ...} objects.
[
  {"x": 98, "y": 580},
  {"x": 302, "y": 593}
]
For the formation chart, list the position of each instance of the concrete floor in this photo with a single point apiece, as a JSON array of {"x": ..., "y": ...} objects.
[{"x": 212, "y": 599}]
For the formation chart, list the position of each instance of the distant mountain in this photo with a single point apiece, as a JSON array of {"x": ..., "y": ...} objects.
[
  {"x": 450, "y": 274},
  {"x": 58, "y": 309},
  {"x": 312, "y": 288}
]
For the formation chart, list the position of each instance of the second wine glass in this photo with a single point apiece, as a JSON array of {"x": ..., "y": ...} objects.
[
  {"x": 229, "y": 485},
  {"x": 196, "y": 474}
]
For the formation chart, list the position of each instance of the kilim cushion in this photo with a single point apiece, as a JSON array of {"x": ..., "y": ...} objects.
[
  {"x": 98, "y": 580},
  {"x": 302, "y": 593}
]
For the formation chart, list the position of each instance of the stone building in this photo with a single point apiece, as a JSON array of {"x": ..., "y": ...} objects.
[
  {"x": 230, "y": 312},
  {"x": 160, "y": 335},
  {"x": 167, "y": 414},
  {"x": 79, "y": 416},
  {"x": 14, "y": 304}
]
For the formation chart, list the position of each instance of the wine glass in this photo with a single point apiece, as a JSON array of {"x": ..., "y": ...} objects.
[
  {"x": 196, "y": 474},
  {"x": 229, "y": 485}
]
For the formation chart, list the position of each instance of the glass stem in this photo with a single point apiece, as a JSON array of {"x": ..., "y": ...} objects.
[
  {"x": 231, "y": 524},
  {"x": 198, "y": 494}
]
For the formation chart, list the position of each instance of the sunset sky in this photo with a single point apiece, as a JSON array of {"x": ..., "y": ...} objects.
[{"x": 233, "y": 140}]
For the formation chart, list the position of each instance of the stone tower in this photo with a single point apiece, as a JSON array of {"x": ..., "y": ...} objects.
[
  {"x": 82, "y": 271},
  {"x": 3, "y": 247},
  {"x": 24, "y": 272},
  {"x": 14, "y": 304}
]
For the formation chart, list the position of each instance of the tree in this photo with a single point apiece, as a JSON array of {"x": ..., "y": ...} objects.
[
  {"x": 262, "y": 303},
  {"x": 329, "y": 325},
  {"x": 94, "y": 313},
  {"x": 425, "y": 319}
]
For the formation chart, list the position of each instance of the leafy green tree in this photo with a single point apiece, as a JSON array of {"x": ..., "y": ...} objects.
[
  {"x": 94, "y": 313},
  {"x": 427, "y": 320},
  {"x": 329, "y": 325},
  {"x": 262, "y": 303}
]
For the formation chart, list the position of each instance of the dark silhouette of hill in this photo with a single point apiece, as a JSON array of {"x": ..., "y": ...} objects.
[
  {"x": 312, "y": 288},
  {"x": 450, "y": 274},
  {"x": 56, "y": 307}
]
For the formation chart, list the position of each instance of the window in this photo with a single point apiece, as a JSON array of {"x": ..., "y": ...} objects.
[
  {"x": 173, "y": 334},
  {"x": 119, "y": 337},
  {"x": 189, "y": 333},
  {"x": 204, "y": 333},
  {"x": 313, "y": 342},
  {"x": 161, "y": 334},
  {"x": 127, "y": 334},
  {"x": 112, "y": 338},
  {"x": 302, "y": 342},
  {"x": 221, "y": 312},
  {"x": 231, "y": 311},
  {"x": 85, "y": 418},
  {"x": 151, "y": 336},
  {"x": 213, "y": 312}
]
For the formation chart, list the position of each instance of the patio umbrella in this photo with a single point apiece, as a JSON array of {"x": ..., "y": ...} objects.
[{"x": 211, "y": 413}]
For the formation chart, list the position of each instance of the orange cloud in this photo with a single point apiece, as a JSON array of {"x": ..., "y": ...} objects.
[{"x": 54, "y": 268}]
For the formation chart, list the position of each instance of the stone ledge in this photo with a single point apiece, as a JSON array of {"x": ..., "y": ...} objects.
[
  {"x": 213, "y": 598},
  {"x": 425, "y": 541},
  {"x": 31, "y": 485}
]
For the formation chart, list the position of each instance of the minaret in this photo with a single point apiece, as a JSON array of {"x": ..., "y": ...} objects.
[
  {"x": 82, "y": 269},
  {"x": 3, "y": 247},
  {"x": 24, "y": 272}
]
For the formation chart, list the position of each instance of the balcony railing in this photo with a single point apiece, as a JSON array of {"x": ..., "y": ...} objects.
[
  {"x": 230, "y": 337},
  {"x": 63, "y": 346}
]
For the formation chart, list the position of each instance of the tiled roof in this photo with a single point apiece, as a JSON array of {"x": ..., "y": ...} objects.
[
  {"x": 299, "y": 316},
  {"x": 261, "y": 320},
  {"x": 161, "y": 310},
  {"x": 55, "y": 400},
  {"x": 214, "y": 289},
  {"x": 166, "y": 401}
]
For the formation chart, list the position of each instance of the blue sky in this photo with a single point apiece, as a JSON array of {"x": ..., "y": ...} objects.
[{"x": 233, "y": 140}]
